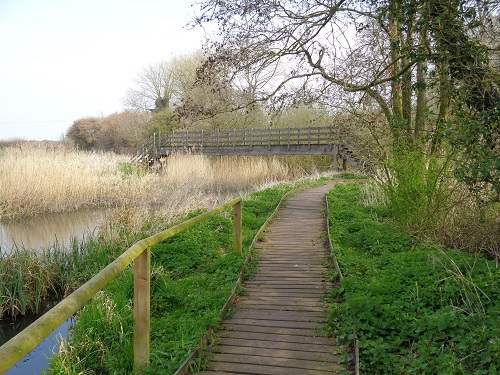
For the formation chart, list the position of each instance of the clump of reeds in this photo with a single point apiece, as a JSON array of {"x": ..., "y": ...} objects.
[
  {"x": 41, "y": 178},
  {"x": 26, "y": 280}
]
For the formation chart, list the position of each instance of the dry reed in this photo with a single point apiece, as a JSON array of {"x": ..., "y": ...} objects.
[{"x": 40, "y": 178}]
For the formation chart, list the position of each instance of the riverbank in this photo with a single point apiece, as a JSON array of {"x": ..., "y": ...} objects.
[{"x": 41, "y": 178}]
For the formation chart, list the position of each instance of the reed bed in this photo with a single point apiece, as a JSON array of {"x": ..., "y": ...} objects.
[{"x": 41, "y": 178}]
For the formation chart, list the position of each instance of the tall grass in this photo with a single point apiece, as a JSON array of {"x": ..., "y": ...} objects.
[
  {"x": 41, "y": 178},
  {"x": 49, "y": 178}
]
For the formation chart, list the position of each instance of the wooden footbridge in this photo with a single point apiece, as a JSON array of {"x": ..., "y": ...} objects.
[
  {"x": 273, "y": 141},
  {"x": 274, "y": 328}
]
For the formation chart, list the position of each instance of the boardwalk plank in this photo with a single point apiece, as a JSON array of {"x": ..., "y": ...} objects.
[
  {"x": 278, "y": 353},
  {"x": 276, "y": 320},
  {"x": 304, "y": 364},
  {"x": 273, "y": 345},
  {"x": 244, "y": 368},
  {"x": 269, "y": 330},
  {"x": 276, "y": 337}
]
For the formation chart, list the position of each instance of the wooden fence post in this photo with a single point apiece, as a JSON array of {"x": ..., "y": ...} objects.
[
  {"x": 237, "y": 229},
  {"x": 142, "y": 286}
]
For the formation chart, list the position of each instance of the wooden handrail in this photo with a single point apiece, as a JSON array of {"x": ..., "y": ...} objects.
[
  {"x": 139, "y": 253},
  {"x": 237, "y": 137},
  {"x": 245, "y": 137}
]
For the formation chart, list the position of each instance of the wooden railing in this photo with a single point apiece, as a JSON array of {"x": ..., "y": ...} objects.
[
  {"x": 244, "y": 137},
  {"x": 139, "y": 253},
  {"x": 243, "y": 141}
]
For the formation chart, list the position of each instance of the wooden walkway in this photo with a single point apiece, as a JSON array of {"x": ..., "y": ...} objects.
[{"x": 274, "y": 327}]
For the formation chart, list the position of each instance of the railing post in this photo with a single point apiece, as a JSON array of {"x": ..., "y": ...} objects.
[
  {"x": 237, "y": 229},
  {"x": 159, "y": 142},
  {"x": 289, "y": 135},
  {"x": 142, "y": 285}
]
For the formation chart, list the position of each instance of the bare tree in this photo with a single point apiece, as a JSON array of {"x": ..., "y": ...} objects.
[{"x": 155, "y": 88}]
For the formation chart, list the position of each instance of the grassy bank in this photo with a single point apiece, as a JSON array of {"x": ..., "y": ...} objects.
[
  {"x": 416, "y": 307},
  {"x": 193, "y": 273}
]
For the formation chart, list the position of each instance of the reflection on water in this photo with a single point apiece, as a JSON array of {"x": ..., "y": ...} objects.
[
  {"x": 38, "y": 359},
  {"x": 44, "y": 230}
]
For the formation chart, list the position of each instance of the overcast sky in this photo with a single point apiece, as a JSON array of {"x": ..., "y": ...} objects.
[{"x": 61, "y": 60}]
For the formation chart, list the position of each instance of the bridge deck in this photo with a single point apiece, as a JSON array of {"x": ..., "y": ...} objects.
[{"x": 274, "y": 327}]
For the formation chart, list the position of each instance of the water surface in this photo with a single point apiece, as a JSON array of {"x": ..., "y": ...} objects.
[
  {"x": 44, "y": 230},
  {"x": 35, "y": 234}
]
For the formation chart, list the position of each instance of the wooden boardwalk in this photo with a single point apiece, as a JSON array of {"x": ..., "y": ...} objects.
[{"x": 274, "y": 327}]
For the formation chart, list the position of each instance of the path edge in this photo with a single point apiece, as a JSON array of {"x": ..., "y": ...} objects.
[
  {"x": 185, "y": 367},
  {"x": 341, "y": 276}
]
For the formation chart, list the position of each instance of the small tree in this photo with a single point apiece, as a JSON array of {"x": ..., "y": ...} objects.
[{"x": 85, "y": 132}]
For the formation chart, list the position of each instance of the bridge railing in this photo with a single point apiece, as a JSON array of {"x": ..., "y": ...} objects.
[
  {"x": 246, "y": 137},
  {"x": 139, "y": 253},
  {"x": 220, "y": 139}
]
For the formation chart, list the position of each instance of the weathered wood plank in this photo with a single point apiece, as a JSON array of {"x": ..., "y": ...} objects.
[
  {"x": 270, "y": 330},
  {"x": 277, "y": 323},
  {"x": 244, "y": 368},
  {"x": 304, "y": 364},
  {"x": 277, "y": 318},
  {"x": 283, "y": 315},
  {"x": 292, "y": 354},
  {"x": 274, "y": 345},
  {"x": 265, "y": 336}
]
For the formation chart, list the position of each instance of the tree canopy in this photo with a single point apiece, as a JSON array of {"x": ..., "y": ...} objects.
[{"x": 430, "y": 67}]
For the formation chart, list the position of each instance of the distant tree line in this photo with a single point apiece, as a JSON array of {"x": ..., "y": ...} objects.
[{"x": 191, "y": 92}]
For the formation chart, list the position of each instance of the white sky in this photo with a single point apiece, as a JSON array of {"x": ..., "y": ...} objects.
[{"x": 61, "y": 60}]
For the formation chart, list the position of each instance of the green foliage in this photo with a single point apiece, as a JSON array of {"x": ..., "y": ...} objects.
[
  {"x": 131, "y": 169},
  {"x": 416, "y": 308},
  {"x": 162, "y": 121},
  {"x": 193, "y": 273},
  {"x": 420, "y": 191},
  {"x": 28, "y": 278},
  {"x": 478, "y": 138}
]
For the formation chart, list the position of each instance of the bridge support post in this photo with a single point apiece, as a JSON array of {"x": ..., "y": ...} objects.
[{"x": 335, "y": 158}]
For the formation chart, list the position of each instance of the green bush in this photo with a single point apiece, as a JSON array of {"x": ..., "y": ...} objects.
[{"x": 416, "y": 308}]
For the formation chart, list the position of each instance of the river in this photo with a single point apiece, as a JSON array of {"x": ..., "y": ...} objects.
[{"x": 35, "y": 234}]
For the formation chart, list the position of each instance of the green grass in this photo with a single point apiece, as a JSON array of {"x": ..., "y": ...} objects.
[
  {"x": 193, "y": 273},
  {"x": 417, "y": 308}
]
